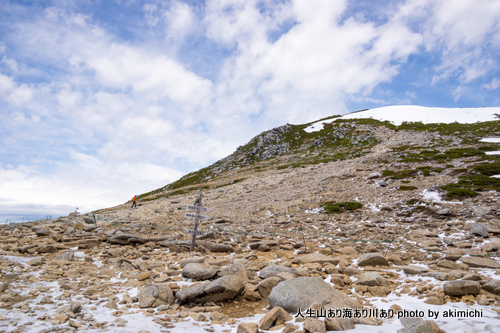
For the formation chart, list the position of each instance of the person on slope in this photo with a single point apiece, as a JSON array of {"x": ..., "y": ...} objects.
[{"x": 134, "y": 202}]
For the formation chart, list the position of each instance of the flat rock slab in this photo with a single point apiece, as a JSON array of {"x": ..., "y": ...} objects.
[
  {"x": 318, "y": 258},
  {"x": 414, "y": 269},
  {"x": 480, "y": 262}
]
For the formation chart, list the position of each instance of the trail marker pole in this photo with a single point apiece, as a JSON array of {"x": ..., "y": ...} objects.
[{"x": 197, "y": 217}]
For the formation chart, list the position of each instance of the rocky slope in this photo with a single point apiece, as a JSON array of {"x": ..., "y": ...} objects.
[{"x": 360, "y": 214}]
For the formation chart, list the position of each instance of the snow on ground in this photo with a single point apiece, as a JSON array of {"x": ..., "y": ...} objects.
[
  {"x": 490, "y": 140},
  {"x": 398, "y": 114},
  {"x": 431, "y": 195}
]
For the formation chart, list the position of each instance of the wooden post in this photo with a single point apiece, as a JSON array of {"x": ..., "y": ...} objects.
[{"x": 196, "y": 221}]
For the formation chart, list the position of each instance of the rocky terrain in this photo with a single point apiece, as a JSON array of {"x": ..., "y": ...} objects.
[{"x": 336, "y": 229}]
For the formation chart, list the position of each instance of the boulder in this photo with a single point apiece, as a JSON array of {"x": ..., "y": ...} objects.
[
  {"x": 38, "y": 261},
  {"x": 73, "y": 307},
  {"x": 480, "y": 262},
  {"x": 266, "y": 285},
  {"x": 313, "y": 325},
  {"x": 247, "y": 328},
  {"x": 43, "y": 232},
  {"x": 461, "y": 287},
  {"x": 235, "y": 269},
  {"x": 481, "y": 210},
  {"x": 302, "y": 292},
  {"x": 88, "y": 219},
  {"x": 273, "y": 270},
  {"x": 371, "y": 279},
  {"x": 340, "y": 324},
  {"x": 479, "y": 229},
  {"x": 198, "y": 271},
  {"x": 68, "y": 256},
  {"x": 448, "y": 264},
  {"x": 46, "y": 249},
  {"x": 372, "y": 259},
  {"x": 154, "y": 295},
  {"x": 222, "y": 289},
  {"x": 492, "y": 286},
  {"x": 318, "y": 258},
  {"x": 425, "y": 326},
  {"x": 276, "y": 315},
  {"x": 444, "y": 211},
  {"x": 414, "y": 269},
  {"x": 193, "y": 260}
]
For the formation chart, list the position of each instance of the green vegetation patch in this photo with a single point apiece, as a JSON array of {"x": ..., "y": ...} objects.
[
  {"x": 339, "y": 207},
  {"x": 407, "y": 188},
  {"x": 231, "y": 183},
  {"x": 459, "y": 193},
  {"x": 479, "y": 179}
]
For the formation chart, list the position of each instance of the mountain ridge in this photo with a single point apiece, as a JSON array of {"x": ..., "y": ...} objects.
[{"x": 336, "y": 138}]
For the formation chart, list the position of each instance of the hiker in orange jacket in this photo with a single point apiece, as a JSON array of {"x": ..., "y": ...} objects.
[{"x": 134, "y": 202}]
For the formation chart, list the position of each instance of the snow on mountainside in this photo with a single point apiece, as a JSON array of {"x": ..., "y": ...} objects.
[{"x": 398, "y": 114}]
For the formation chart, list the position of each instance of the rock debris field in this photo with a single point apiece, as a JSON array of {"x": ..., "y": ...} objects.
[{"x": 271, "y": 258}]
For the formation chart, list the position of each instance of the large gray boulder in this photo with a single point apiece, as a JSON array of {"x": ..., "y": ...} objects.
[
  {"x": 479, "y": 229},
  {"x": 302, "y": 292},
  {"x": 222, "y": 289},
  {"x": 154, "y": 295},
  {"x": 198, "y": 271}
]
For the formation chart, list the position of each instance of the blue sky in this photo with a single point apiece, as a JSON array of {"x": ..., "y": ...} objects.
[{"x": 101, "y": 100}]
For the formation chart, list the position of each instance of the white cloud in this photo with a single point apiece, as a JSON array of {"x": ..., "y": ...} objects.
[
  {"x": 493, "y": 85},
  {"x": 17, "y": 95},
  {"x": 179, "y": 19}
]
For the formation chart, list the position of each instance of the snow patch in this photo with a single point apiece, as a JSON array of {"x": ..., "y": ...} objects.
[
  {"x": 398, "y": 114},
  {"x": 490, "y": 140}
]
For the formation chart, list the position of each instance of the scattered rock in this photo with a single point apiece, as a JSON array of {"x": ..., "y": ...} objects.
[
  {"x": 154, "y": 295},
  {"x": 459, "y": 288},
  {"x": 198, "y": 271},
  {"x": 275, "y": 316},
  {"x": 480, "y": 262},
  {"x": 479, "y": 229},
  {"x": 372, "y": 259}
]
